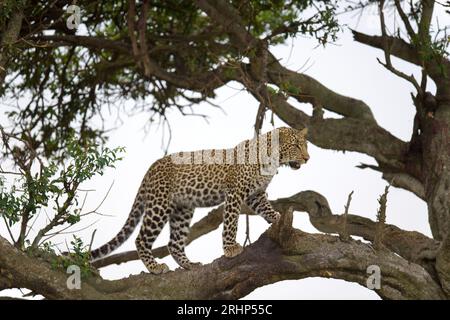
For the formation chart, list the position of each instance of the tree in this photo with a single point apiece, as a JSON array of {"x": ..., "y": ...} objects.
[{"x": 175, "y": 54}]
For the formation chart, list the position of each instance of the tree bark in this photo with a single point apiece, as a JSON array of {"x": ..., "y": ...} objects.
[{"x": 436, "y": 164}]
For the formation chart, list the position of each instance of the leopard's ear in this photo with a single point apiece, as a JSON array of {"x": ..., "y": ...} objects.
[{"x": 304, "y": 132}]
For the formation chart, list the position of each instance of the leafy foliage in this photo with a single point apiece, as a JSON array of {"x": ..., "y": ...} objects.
[
  {"x": 10, "y": 204},
  {"x": 67, "y": 83},
  {"x": 55, "y": 184},
  {"x": 78, "y": 255}
]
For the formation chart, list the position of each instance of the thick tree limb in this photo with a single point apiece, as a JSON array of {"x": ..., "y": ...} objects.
[
  {"x": 443, "y": 265},
  {"x": 224, "y": 14},
  {"x": 434, "y": 138},
  {"x": 399, "y": 180},
  {"x": 413, "y": 246},
  {"x": 281, "y": 253},
  {"x": 407, "y": 182},
  {"x": 17, "y": 270},
  {"x": 312, "y": 91},
  {"x": 344, "y": 134}
]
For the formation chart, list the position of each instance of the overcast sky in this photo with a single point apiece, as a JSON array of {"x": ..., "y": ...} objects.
[{"x": 346, "y": 67}]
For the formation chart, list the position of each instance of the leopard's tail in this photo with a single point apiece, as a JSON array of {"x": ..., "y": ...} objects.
[{"x": 132, "y": 221}]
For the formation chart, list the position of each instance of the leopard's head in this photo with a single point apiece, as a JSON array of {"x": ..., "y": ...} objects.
[{"x": 293, "y": 148}]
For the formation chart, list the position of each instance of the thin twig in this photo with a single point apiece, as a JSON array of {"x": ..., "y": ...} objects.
[
  {"x": 32, "y": 224},
  {"x": 62, "y": 231},
  {"x": 11, "y": 172},
  {"x": 381, "y": 219},
  {"x": 387, "y": 54},
  {"x": 100, "y": 204},
  {"x": 405, "y": 19},
  {"x": 345, "y": 235},
  {"x": 9, "y": 229},
  {"x": 92, "y": 240}
]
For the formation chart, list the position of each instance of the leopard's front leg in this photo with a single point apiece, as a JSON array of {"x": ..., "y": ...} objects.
[
  {"x": 233, "y": 205},
  {"x": 259, "y": 203}
]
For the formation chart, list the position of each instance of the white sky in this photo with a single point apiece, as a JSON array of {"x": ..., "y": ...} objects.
[{"x": 346, "y": 67}]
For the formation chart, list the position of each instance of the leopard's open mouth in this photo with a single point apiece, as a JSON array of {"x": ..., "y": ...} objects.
[{"x": 295, "y": 165}]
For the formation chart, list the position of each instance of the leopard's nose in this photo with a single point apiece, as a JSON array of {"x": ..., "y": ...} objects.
[{"x": 306, "y": 158}]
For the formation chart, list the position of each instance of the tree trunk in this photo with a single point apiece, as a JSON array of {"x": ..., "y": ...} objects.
[
  {"x": 9, "y": 37},
  {"x": 435, "y": 127},
  {"x": 436, "y": 173}
]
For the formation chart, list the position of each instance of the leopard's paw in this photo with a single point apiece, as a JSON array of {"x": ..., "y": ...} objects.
[
  {"x": 158, "y": 268},
  {"x": 273, "y": 217},
  {"x": 233, "y": 250}
]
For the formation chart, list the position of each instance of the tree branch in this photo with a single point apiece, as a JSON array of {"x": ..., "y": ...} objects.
[
  {"x": 279, "y": 254},
  {"x": 407, "y": 182},
  {"x": 425, "y": 20},
  {"x": 399, "y": 179},
  {"x": 398, "y": 47},
  {"x": 387, "y": 54},
  {"x": 59, "y": 218},
  {"x": 405, "y": 51},
  {"x": 90, "y": 42},
  {"x": 411, "y": 245},
  {"x": 312, "y": 91},
  {"x": 405, "y": 20}
]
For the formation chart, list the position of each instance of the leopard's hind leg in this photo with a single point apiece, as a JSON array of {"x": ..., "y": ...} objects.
[
  {"x": 179, "y": 229},
  {"x": 154, "y": 220}
]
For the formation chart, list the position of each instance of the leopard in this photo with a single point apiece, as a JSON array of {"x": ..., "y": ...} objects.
[{"x": 176, "y": 184}]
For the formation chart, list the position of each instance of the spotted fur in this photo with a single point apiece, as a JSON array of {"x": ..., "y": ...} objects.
[{"x": 170, "y": 191}]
